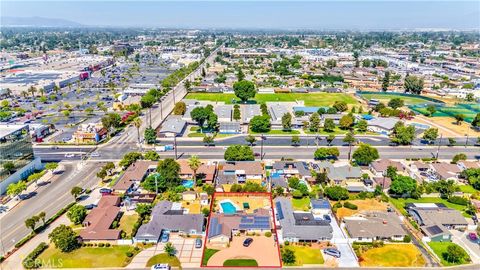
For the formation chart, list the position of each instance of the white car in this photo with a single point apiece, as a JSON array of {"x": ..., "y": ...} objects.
[
  {"x": 69, "y": 155},
  {"x": 95, "y": 154}
]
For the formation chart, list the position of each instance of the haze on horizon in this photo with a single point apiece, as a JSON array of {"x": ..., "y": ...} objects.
[{"x": 315, "y": 15}]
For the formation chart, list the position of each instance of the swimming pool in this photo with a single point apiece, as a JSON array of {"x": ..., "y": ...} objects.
[
  {"x": 228, "y": 208},
  {"x": 187, "y": 183}
]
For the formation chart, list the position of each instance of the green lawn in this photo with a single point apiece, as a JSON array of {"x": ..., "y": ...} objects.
[
  {"x": 408, "y": 100},
  {"x": 277, "y": 132},
  {"x": 207, "y": 254},
  {"x": 306, "y": 255},
  {"x": 87, "y": 257},
  {"x": 127, "y": 222},
  {"x": 440, "y": 248},
  {"x": 392, "y": 255},
  {"x": 311, "y": 99},
  {"x": 302, "y": 204},
  {"x": 240, "y": 262},
  {"x": 163, "y": 258},
  {"x": 400, "y": 204},
  {"x": 468, "y": 189}
]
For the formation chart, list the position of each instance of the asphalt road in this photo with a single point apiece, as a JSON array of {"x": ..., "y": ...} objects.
[{"x": 49, "y": 198}]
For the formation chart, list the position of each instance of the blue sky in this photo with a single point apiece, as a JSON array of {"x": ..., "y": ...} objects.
[{"x": 320, "y": 15}]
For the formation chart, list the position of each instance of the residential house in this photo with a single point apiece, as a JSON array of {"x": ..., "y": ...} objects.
[
  {"x": 340, "y": 175},
  {"x": 446, "y": 171},
  {"x": 382, "y": 125},
  {"x": 335, "y": 117},
  {"x": 224, "y": 113},
  {"x": 173, "y": 126},
  {"x": 169, "y": 217},
  {"x": 297, "y": 226},
  {"x": 435, "y": 219},
  {"x": 239, "y": 172},
  {"x": 289, "y": 169},
  {"x": 206, "y": 171},
  {"x": 249, "y": 111},
  {"x": 379, "y": 167},
  {"x": 98, "y": 222},
  {"x": 223, "y": 227},
  {"x": 229, "y": 128},
  {"x": 375, "y": 225},
  {"x": 133, "y": 175}
]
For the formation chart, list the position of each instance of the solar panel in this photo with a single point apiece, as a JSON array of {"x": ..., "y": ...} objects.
[
  {"x": 279, "y": 210},
  {"x": 434, "y": 230}
]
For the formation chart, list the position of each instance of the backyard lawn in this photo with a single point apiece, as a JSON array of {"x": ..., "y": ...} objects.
[
  {"x": 163, "y": 258},
  {"x": 306, "y": 255},
  {"x": 207, "y": 254},
  {"x": 311, "y": 99},
  {"x": 400, "y": 204},
  {"x": 240, "y": 262},
  {"x": 363, "y": 205},
  {"x": 302, "y": 204},
  {"x": 88, "y": 257},
  {"x": 127, "y": 222},
  {"x": 392, "y": 255},
  {"x": 440, "y": 248}
]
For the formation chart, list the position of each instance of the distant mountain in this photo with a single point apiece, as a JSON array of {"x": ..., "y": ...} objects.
[{"x": 37, "y": 22}]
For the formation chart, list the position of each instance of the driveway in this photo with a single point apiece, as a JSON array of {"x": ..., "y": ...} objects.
[
  {"x": 339, "y": 239},
  {"x": 263, "y": 249},
  {"x": 188, "y": 255},
  {"x": 461, "y": 239}
]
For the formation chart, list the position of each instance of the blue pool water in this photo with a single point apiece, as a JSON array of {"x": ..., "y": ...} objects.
[
  {"x": 187, "y": 183},
  {"x": 228, "y": 208}
]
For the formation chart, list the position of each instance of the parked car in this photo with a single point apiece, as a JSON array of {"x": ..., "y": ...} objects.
[
  {"x": 165, "y": 237},
  {"x": 160, "y": 266},
  {"x": 105, "y": 191},
  {"x": 473, "y": 236},
  {"x": 198, "y": 243},
  {"x": 247, "y": 242},
  {"x": 69, "y": 155},
  {"x": 90, "y": 206},
  {"x": 95, "y": 154},
  {"x": 332, "y": 252},
  {"x": 327, "y": 218}
]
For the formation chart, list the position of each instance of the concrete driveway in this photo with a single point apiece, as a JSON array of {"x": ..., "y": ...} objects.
[
  {"x": 263, "y": 249},
  {"x": 339, "y": 239},
  {"x": 472, "y": 248}
]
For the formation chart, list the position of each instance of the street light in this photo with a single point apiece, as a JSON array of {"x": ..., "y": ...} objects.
[
  {"x": 175, "y": 145},
  {"x": 439, "y": 144}
]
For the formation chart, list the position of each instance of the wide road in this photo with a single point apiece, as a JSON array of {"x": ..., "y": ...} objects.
[{"x": 49, "y": 198}]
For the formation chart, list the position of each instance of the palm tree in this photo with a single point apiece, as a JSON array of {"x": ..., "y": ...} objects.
[
  {"x": 194, "y": 163},
  {"x": 32, "y": 90},
  {"x": 24, "y": 94},
  {"x": 137, "y": 122}
]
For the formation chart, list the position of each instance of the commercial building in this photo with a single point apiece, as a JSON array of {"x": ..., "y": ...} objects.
[{"x": 16, "y": 148}]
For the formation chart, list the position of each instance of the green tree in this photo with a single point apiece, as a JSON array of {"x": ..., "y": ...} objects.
[
  {"x": 169, "y": 249},
  {"x": 30, "y": 223},
  {"x": 169, "y": 169},
  {"x": 9, "y": 166},
  {"x": 451, "y": 141},
  {"x": 431, "y": 110},
  {"x": 111, "y": 120},
  {"x": 244, "y": 90},
  {"x": 458, "y": 157},
  {"x": 395, "y": 103},
  {"x": 386, "y": 81},
  {"x": 236, "y": 112},
  {"x": 287, "y": 121},
  {"x": 430, "y": 135},
  {"x": 365, "y": 154},
  {"x": 455, "y": 254},
  {"x": 362, "y": 126},
  {"x": 330, "y": 138},
  {"x": 180, "y": 108},
  {"x": 15, "y": 189},
  {"x": 75, "y": 191},
  {"x": 250, "y": 139},
  {"x": 459, "y": 118},
  {"x": 336, "y": 193},
  {"x": 288, "y": 256},
  {"x": 208, "y": 140},
  {"x": 402, "y": 134},
  {"x": 239, "y": 153},
  {"x": 346, "y": 122},
  {"x": 64, "y": 238},
  {"x": 413, "y": 84},
  {"x": 152, "y": 155},
  {"x": 476, "y": 121},
  {"x": 194, "y": 163},
  {"x": 314, "y": 122},
  {"x": 42, "y": 215},
  {"x": 326, "y": 153},
  {"x": 77, "y": 214},
  {"x": 260, "y": 123},
  {"x": 51, "y": 166},
  {"x": 150, "y": 135},
  {"x": 403, "y": 186},
  {"x": 129, "y": 158},
  {"x": 200, "y": 115},
  {"x": 295, "y": 140},
  {"x": 240, "y": 75},
  {"x": 328, "y": 125}
]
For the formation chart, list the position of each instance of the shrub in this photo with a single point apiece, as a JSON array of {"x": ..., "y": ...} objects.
[
  {"x": 30, "y": 261},
  {"x": 268, "y": 234},
  {"x": 107, "y": 244},
  {"x": 101, "y": 244},
  {"x": 407, "y": 238},
  {"x": 129, "y": 254},
  {"x": 297, "y": 194},
  {"x": 458, "y": 200},
  {"x": 350, "y": 205}
]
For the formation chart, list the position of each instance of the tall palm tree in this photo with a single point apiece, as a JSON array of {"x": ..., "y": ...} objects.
[
  {"x": 32, "y": 90},
  {"x": 137, "y": 122},
  {"x": 24, "y": 94},
  {"x": 194, "y": 163}
]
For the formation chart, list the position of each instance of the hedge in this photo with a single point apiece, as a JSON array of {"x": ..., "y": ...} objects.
[
  {"x": 30, "y": 262},
  {"x": 350, "y": 205}
]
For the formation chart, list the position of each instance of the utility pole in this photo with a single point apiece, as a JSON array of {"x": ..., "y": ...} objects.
[
  {"x": 175, "y": 145},
  {"x": 466, "y": 141},
  {"x": 439, "y": 144},
  {"x": 262, "y": 138}
]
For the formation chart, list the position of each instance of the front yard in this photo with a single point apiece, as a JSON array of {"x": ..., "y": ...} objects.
[
  {"x": 392, "y": 255},
  {"x": 89, "y": 257},
  {"x": 163, "y": 258},
  {"x": 306, "y": 255},
  {"x": 440, "y": 249}
]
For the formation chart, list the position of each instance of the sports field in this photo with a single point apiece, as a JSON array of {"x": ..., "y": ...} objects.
[
  {"x": 468, "y": 110},
  {"x": 310, "y": 99},
  {"x": 409, "y": 100}
]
